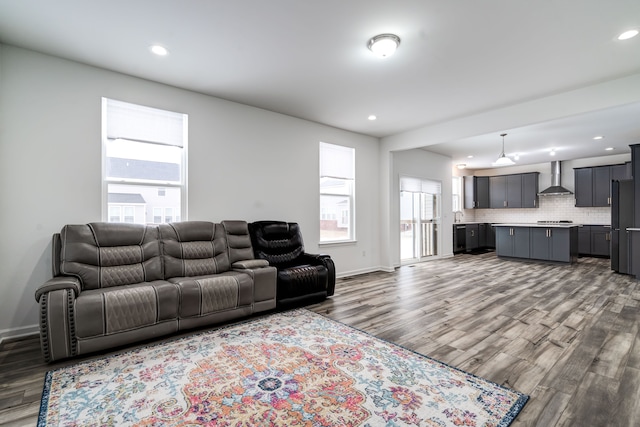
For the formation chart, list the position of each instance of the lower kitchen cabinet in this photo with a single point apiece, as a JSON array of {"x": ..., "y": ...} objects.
[
  {"x": 594, "y": 240},
  {"x": 558, "y": 244},
  {"x": 512, "y": 242},
  {"x": 600, "y": 241},
  {"x": 469, "y": 237},
  {"x": 472, "y": 237},
  {"x": 550, "y": 244}
]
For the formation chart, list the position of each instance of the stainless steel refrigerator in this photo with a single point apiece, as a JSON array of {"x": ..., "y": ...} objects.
[{"x": 621, "y": 219}]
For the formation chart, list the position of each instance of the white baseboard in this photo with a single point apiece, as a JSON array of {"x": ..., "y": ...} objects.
[
  {"x": 19, "y": 332},
  {"x": 363, "y": 271}
]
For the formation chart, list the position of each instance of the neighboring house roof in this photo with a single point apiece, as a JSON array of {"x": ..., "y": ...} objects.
[
  {"x": 125, "y": 198},
  {"x": 142, "y": 169}
]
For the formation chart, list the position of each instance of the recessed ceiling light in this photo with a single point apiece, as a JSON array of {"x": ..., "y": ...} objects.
[
  {"x": 516, "y": 156},
  {"x": 628, "y": 34},
  {"x": 384, "y": 45},
  {"x": 461, "y": 166},
  {"x": 159, "y": 50},
  {"x": 598, "y": 137},
  {"x": 372, "y": 117},
  {"x": 552, "y": 152},
  {"x": 469, "y": 157},
  {"x": 609, "y": 148}
]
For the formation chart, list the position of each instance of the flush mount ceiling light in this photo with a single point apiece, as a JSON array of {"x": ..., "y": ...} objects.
[
  {"x": 598, "y": 137},
  {"x": 628, "y": 34},
  {"x": 502, "y": 159},
  {"x": 461, "y": 165},
  {"x": 372, "y": 117},
  {"x": 552, "y": 152},
  {"x": 383, "y": 45},
  {"x": 609, "y": 148},
  {"x": 159, "y": 50}
]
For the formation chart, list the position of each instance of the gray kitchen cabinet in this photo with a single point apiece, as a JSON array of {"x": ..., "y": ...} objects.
[
  {"x": 635, "y": 172},
  {"x": 594, "y": 240},
  {"x": 602, "y": 186},
  {"x": 476, "y": 192},
  {"x": 600, "y": 241},
  {"x": 550, "y": 244},
  {"x": 593, "y": 184},
  {"x": 619, "y": 172},
  {"x": 583, "y": 178},
  {"x": 530, "y": 190},
  {"x": 514, "y": 191},
  {"x": 483, "y": 229},
  {"x": 472, "y": 238},
  {"x": 498, "y": 192},
  {"x": 584, "y": 240},
  {"x": 512, "y": 242}
]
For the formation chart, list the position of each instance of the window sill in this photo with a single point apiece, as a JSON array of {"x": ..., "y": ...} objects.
[{"x": 338, "y": 243}]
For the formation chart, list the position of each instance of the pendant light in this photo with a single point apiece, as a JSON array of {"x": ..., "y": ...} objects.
[{"x": 502, "y": 159}]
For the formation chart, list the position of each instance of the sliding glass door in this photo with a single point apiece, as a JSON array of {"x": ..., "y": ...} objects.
[{"x": 419, "y": 219}]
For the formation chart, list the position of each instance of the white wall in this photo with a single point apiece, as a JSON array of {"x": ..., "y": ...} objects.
[
  {"x": 426, "y": 165},
  {"x": 244, "y": 163}
]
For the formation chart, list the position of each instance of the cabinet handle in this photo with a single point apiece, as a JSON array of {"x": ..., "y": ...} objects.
[
  {"x": 504, "y": 203},
  {"x": 472, "y": 233},
  {"x": 474, "y": 203},
  {"x": 511, "y": 232},
  {"x": 534, "y": 203},
  {"x": 608, "y": 200}
]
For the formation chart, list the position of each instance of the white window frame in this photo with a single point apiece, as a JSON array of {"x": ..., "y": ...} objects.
[
  {"x": 348, "y": 178},
  {"x": 182, "y": 184},
  {"x": 456, "y": 194}
]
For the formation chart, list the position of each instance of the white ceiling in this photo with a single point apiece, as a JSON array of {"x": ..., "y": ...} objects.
[{"x": 309, "y": 59}]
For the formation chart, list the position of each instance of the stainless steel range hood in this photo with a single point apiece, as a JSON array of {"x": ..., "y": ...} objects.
[{"x": 556, "y": 188}]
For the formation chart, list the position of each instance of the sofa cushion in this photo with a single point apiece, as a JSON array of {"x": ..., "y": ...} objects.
[
  {"x": 202, "y": 295},
  {"x": 107, "y": 311},
  {"x": 194, "y": 248},
  {"x": 103, "y": 255}
]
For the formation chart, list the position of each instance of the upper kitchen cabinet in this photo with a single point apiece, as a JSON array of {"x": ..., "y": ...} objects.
[
  {"x": 593, "y": 184},
  {"x": 584, "y": 186},
  {"x": 514, "y": 191},
  {"x": 530, "y": 190},
  {"x": 476, "y": 192}
]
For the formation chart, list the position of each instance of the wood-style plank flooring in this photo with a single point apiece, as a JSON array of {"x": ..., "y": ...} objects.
[{"x": 565, "y": 335}]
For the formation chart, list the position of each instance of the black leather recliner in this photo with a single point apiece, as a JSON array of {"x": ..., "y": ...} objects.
[{"x": 302, "y": 278}]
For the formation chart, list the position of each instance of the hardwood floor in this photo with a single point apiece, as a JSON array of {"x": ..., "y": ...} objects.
[{"x": 565, "y": 335}]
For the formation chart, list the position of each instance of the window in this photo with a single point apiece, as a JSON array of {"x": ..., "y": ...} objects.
[
  {"x": 144, "y": 163},
  {"x": 337, "y": 175},
  {"x": 456, "y": 194}
]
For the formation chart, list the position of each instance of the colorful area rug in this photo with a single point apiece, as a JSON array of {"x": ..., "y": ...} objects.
[{"x": 295, "y": 368}]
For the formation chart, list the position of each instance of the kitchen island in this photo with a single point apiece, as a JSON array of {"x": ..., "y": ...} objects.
[{"x": 544, "y": 242}]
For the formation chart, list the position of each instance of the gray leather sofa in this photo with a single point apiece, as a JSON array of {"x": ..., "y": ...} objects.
[{"x": 115, "y": 284}]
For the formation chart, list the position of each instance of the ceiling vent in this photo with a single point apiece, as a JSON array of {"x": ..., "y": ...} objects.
[{"x": 556, "y": 188}]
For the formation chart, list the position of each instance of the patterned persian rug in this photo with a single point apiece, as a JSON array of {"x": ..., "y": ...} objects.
[{"x": 295, "y": 368}]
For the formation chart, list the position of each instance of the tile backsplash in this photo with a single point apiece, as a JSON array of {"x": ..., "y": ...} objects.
[{"x": 552, "y": 208}]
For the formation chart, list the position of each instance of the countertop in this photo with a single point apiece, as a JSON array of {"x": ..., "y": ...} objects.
[{"x": 533, "y": 224}]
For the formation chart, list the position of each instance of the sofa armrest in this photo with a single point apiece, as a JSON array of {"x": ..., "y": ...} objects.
[
  {"x": 250, "y": 264},
  {"x": 323, "y": 259},
  {"x": 59, "y": 283}
]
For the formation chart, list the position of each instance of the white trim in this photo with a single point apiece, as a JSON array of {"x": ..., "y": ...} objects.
[
  {"x": 363, "y": 271},
  {"x": 19, "y": 332}
]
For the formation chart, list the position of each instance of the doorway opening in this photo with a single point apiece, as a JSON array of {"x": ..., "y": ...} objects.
[{"x": 419, "y": 219}]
